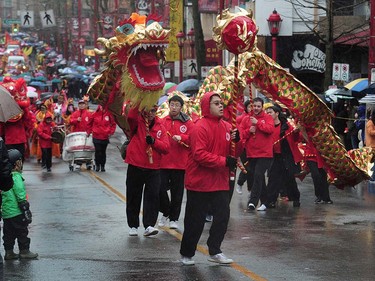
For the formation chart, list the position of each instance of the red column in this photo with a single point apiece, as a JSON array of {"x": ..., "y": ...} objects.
[
  {"x": 79, "y": 30},
  {"x": 371, "y": 47},
  {"x": 274, "y": 47},
  {"x": 96, "y": 11}
]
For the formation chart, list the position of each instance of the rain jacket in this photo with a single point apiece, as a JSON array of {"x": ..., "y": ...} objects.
[
  {"x": 178, "y": 151},
  {"x": 12, "y": 197},
  {"x": 260, "y": 144},
  {"x": 136, "y": 152},
  {"x": 210, "y": 145},
  {"x": 18, "y": 131},
  {"x": 85, "y": 114},
  {"x": 311, "y": 154},
  {"x": 101, "y": 124},
  {"x": 44, "y": 132}
]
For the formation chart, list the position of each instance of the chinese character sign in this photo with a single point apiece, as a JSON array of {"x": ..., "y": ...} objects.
[{"x": 176, "y": 25}]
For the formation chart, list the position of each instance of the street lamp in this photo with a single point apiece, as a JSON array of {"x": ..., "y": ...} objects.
[
  {"x": 180, "y": 41},
  {"x": 191, "y": 39},
  {"x": 81, "y": 43},
  {"x": 274, "y": 23}
]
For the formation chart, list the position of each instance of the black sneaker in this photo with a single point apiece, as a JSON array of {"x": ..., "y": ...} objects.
[
  {"x": 251, "y": 206},
  {"x": 48, "y": 169},
  {"x": 271, "y": 205},
  {"x": 328, "y": 202}
]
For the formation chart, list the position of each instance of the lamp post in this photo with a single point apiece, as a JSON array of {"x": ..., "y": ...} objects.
[
  {"x": 81, "y": 43},
  {"x": 191, "y": 39},
  {"x": 274, "y": 23},
  {"x": 180, "y": 41}
]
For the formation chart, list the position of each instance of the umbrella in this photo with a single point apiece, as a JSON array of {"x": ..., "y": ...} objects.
[
  {"x": 368, "y": 99},
  {"x": 188, "y": 86},
  {"x": 37, "y": 84},
  {"x": 171, "y": 89},
  {"x": 39, "y": 78},
  {"x": 56, "y": 80},
  {"x": 356, "y": 86},
  {"x": 369, "y": 90},
  {"x": 8, "y": 106},
  {"x": 32, "y": 94},
  {"x": 338, "y": 93},
  {"x": 162, "y": 99},
  {"x": 167, "y": 86}
]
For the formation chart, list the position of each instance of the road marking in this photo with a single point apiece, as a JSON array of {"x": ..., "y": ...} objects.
[{"x": 251, "y": 275}]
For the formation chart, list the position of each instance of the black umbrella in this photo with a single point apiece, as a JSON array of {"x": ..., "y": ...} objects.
[{"x": 369, "y": 90}]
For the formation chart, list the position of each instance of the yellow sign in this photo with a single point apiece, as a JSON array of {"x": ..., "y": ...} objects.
[
  {"x": 176, "y": 16},
  {"x": 89, "y": 52}
]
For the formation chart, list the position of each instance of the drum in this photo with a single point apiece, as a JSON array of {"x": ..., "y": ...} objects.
[
  {"x": 78, "y": 141},
  {"x": 58, "y": 136}
]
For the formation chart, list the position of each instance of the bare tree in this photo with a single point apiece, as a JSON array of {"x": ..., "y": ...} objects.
[{"x": 329, "y": 20}]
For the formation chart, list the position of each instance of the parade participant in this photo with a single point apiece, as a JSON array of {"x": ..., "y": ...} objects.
[
  {"x": 16, "y": 131},
  {"x": 257, "y": 129},
  {"x": 102, "y": 126},
  {"x": 315, "y": 164},
  {"x": 80, "y": 118},
  {"x": 370, "y": 137},
  {"x": 66, "y": 116},
  {"x": 16, "y": 213},
  {"x": 207, "y": 180},
  {"x": 285, "y": 164},
  {"x": 242, "y": 176},
  {"x": 45, "y": 130},
  {"x": 173, "y": 164},
  {"x": 79, "y": 123},
  {"x": 59, "y": 108},
  {"x": 149, "y": 140}
]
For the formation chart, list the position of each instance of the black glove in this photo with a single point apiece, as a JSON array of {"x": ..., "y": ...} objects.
[
  {"x": 25, "y": 209},
  {"x": 237, "y": 138},
  {"x": 231, "y": 162},
  {"x": 150, "y": 140}
]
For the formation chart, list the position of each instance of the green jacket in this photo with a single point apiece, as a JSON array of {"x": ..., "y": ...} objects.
[{"x": 11, "y": 197}]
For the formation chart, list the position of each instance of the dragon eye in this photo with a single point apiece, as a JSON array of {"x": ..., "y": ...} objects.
[{"x": 127, "y": 29}]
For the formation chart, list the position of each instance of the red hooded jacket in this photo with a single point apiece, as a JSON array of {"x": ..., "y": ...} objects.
[
  {"x": 19, "y": 131},
  {"x": 136, "y": 152},
  {"x": 210, "y": 145},
  {"x": 85, "y": 117},
  {"x": 178, "y": 151},
  {"x": 44, "y": 132},
  {"x": 101, "y": 124},
  {"x": 260, "y": 144}
]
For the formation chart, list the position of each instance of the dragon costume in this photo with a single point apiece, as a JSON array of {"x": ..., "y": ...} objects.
[{"x": 132, "y": 75}]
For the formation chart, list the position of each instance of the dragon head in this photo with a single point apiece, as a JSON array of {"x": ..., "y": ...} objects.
[{"x": 133, "y": 66}]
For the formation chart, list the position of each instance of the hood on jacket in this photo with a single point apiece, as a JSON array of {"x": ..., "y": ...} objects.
[{"x": 205, "y": 104}]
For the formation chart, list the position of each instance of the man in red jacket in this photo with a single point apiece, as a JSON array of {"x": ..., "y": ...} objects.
[
  {"x": 102, "y": 125},
  {"x": 207, "y": 180},
  {"x": 148, "y": 142},
  {"x": 173, "y": 164},
  {"x": 79, "y": 121},
  {"x": 257, "y": 129}
]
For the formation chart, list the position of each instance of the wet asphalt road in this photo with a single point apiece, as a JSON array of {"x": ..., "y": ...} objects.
[{"x": 79, "y": 230}]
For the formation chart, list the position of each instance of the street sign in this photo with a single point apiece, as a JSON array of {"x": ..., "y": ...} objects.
[
  {"x": 11, "y": 21},
  {"x": 47, "y": 18},
  {"x": 340, "y": 71},
  {"x": 27, "y": 18},
  {"x": 191, "y": 67}
]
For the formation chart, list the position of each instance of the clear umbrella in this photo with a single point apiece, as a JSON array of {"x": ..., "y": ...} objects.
[{"x": 8, "y": 106}]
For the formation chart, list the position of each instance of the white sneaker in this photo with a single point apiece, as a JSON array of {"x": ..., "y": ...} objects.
[
  {"x": 187, "y": 261},
  {"x": 262, "y": 208},
  {"x": 133, "y": 231},
  {"x": 163, "y": 221},
  {"x": 220, "y": 258},
  {"x": 173, "y": 225},
  {"x": 239, "y": 189},
  {"x": 150, "y": 231},
  {"x": 251, "y": 206}
]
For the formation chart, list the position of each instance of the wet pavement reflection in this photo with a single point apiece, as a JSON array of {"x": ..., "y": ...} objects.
[{"x": 79, "y": 230}]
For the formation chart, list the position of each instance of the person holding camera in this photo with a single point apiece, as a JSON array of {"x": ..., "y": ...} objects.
[{"x": 16, "y": 213}]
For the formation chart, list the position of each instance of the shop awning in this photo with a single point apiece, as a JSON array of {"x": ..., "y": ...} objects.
[{"x": 359, "y": 38}]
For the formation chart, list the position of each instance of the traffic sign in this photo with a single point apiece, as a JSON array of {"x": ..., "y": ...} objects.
[{"x": 11, "y": 21}]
